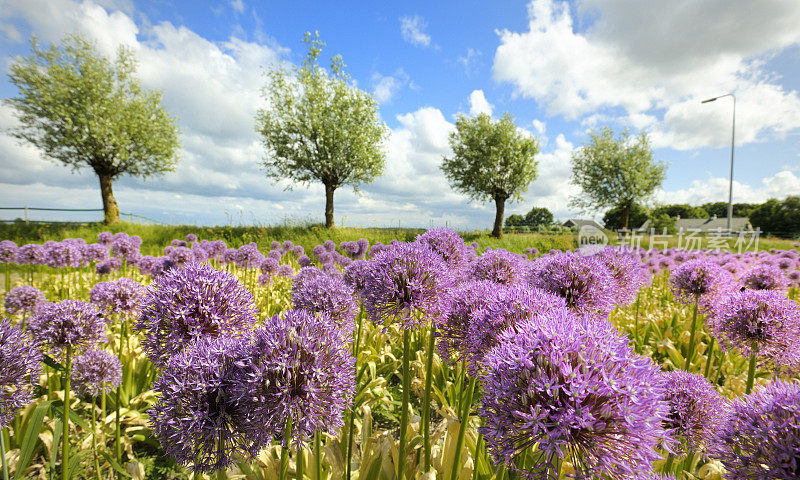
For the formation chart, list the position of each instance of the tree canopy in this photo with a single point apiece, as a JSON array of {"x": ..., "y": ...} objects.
[
  {"x": 83, "y": 110},
  {"x": 491, "y": 161},
  {"x": 320, "y": 128},
  {"x": 615, "y": 171},
  {"x": 536, "y": 217}
]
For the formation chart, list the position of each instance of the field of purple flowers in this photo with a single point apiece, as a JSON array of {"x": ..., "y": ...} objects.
[{"x": 424, "y": 359}]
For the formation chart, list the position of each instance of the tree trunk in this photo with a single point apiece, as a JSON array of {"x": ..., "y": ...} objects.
[
  {"x": 110, "y": 208},
  {"x": 626, "y": 215},
  {"x": 329, "y": 189},
  {"x": 500, "y": 203}
]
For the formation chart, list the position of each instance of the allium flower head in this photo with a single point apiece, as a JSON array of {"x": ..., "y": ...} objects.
[
  {"x": 181, "y": 255},
  {"x": 126, "y": 247},
  {"x": 453, "y": 327},
  {"x": 695, "y": 408},
  {"x": 317, "y": 292},
  {"x": 105, "y": 238},
  {"x": 406, "y": 281},
  {"x": 584, "y": 282},
  {"x": 329, "y": 245},
  {"x": 355, "y": 275},
  {"x": 196, "y": 420},
  {"x": 285, "y": 271},
  {"x": 577, "y": 390},
  {"x": 248, "y": 256},
  {"x": 189, "y": 303},
  {"x": 499, "y": 266},
  {"x": 107, "y": 266},
  {"x": 120, "y": 296},
  {"x": 763, "y": 322},
  {"x": 765, "y": 277},
  {"x": 23, "y": 299},
  {"x": 30, "y": 254},
  {"x": 96, "y": 371},
  {"x": 7, "y": 251},
  {"x": 64, "y": 254},
  {"x": 96, "y": 252},
  {"x": 448, "y": 245},
  {"x": 20, "y": 367},
  {"x": 627, "y": 270},
  {"x": 297, "y": 368},
  {"x": 760, "y": 438},
  {"x": 68, "y": 323},
  {"x": 191, "y": 237},
  {"x": 699, "y": 278}
]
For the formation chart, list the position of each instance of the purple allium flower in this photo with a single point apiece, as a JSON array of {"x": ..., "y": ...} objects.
[
  {"x": 8, "y": 250},
  {"x": 499, "y": 266},
  {"x": 504, "y": 308},
  {"x": 763, "y": 322},
  {"x": 285, "y": 271},
  {"x": 96, "y": 371},
  {"x": 269, "y": 266},
  {"x": 229, "y": 256},
  {"x": 191, "y": 237},
  {"x": 406, "y": 282},
  {"x": 288, "y": 245},
  {"x": 326, "y": 258},
  {"x": 355, "y": 275},
  {"x": 23, "y": 299},
  {"x": 532, "y": 252},
  {"x": 318, "y": 251},
  {"x": 699, "y": 278},
  {"x": 200, "y": 255},
  {"x": 315, "y": 291},
  {"x": 68, "y": 323},
  {"x": 64, "y": 254},
  {"x": 181, "y": 255},
  {"x": 107, "y": 266},
  {"x": 192, "y": 302},
  {"x": 329, "y": 245},
  {"x": 264, "y": 279},
  {"x": 299, "y": 250},
  {"x": 20, "y": 367},
  {"x": 577, "y": 389},
  {"x": 275, "y": 245},
  {"x": 248, "y": 256},
  {"x": 30, "y": 254},
  {"x": 176, "y": 242},
  {"x": 627, "y": 271},
  {"x": 448, "y": 245},
  {"x": 126, "y": 247},
  {"x": 123, "y": 295},
  {"x": 298, "y": 368},
  {"x": 304, "y": 261},
  {"x": 765, "y": 277},
  {"x": 96, "y": 252},
  {"x": 196, "y": 420},
  {"x": 584, "y": 282},
  {"x": 275, "y": 255},
  {"x": 453, "y": 326},
  {"x": 760, "y": 438},
  {"x": 695, "y": 408},
  {"x": 104, "y": 238}
]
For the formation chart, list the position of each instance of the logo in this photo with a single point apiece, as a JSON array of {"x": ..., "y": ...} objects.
[{"x": 591, "y": 240}]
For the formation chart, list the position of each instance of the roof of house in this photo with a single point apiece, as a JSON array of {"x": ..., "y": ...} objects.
[
  {"x": 576, "y": 222},
  {"x": 707, "y": 224}
]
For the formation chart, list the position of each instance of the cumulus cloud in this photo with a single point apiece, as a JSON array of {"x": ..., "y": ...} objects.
[
  {"x": 712, "y": 189},
  {"x": 478, "y": 103},
  {"x": 656, "y": 72},
  {"x": 413, "y": 30},
  {"x": 385, "y": 87}
]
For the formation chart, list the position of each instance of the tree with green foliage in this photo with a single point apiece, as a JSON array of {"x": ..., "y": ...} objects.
[
  {"x": 637, "y": 215},
  {"x": 538, "y": 216},
  {"x": 83, "y": 110},
  {"x": 320, "y": 128},
  {"x": 680, "y": 210},
  {"x": 720, "y": 209},
  {"x": 515, "y": 220},
  {"x": 776, "y": 217},
  {"x": 491, "y": 161},
  {"x": 615, "y": 172}
]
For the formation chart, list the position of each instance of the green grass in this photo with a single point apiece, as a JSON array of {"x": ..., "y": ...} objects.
[{"x": 156, "y": 237}]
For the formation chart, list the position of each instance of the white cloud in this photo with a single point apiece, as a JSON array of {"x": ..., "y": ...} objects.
[
  {"x": 413, "y": 30},
  {"x": 540, "y": 127},
  {"x": 238, "y": 6},
  {"x": 469, "y": 60},
  {"x": 624, "y": 59},
  {"x": 478, "y": 103},
  {"x": 385, "y": 87},
  {"x": 712, "y": 189}
]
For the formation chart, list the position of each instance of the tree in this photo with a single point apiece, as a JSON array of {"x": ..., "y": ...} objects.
[
  {"x": 680, "y": 210},
  {"x": 615, "y": 172},
  {"x": 319, "y": 128},
  {"x": 491, "y": 161},
  {"x": 538, "y": 216},
  {"x": 515, "y": 221},
  {"x": 720, "y": 209},
  {"x": 637, "y": 215},
  {"x": 779, "y": 218},
  {"x": 83, "y": 110}
]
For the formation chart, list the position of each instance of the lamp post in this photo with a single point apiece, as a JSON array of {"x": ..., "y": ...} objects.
[{"x": 733, "y": 133}]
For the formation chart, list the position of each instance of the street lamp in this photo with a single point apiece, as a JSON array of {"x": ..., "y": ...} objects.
[{"x": 733, "y": 133}]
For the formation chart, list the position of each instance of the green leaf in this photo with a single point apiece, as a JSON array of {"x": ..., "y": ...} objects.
[
  {"x": 50, "y": 362},
  {"x": 374, "y": 470},
  {"x": 31, "y": 437},
  {"x": 116, "y": 466}
]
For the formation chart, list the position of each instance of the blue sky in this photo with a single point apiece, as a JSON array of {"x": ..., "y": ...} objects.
[{"x": 560, "y": 68}]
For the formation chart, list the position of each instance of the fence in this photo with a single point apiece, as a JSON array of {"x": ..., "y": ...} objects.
[{"x": 26, "y": 209}]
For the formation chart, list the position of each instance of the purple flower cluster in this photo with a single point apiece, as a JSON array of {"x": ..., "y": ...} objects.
[
  {"x": 499, "y": 266},
  {"x": 20, "y": 367},
  {"x": 765, "y": 277},
  {"x": 23, "y": 299},
  {"x": 96, "y": 371},
  {"x": 448, "y": 245},
  {"x": 699, "y": 280},
  {"x": 192, "y": 302},
  {"x": 763, "y": 322},
  {"x": 317, "y": 292},
  {"x": 760, "y": 437},
  {"x": 68, "y": 323},
  {"x": 8, "y": 251},
  {"x": 584, "y": 282},
  {"x": 627, "y": 271},
  {"x": 120, "y": 296},
  {"x": 575, "y": 389},
  {"x": 696, "y": 409}
]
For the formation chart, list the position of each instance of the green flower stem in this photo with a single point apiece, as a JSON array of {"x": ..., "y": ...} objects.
[
  {"x": 117, "y": 429},
  {"x": 426, "y": 401},
  {"x": 555, "y": 467},
  {"x": 709, "y": 356},
  {"x": 301, "y": 463},
  {"x": 65, "y": 441},
  {"x": 636, "y": 323},
  {"x": 690, "y": 353},
  {"x": 462, "y": 429},
  {"x": 3, "y": 453},
  {"x": 94, "y": 442},
  {"x": 751, "y": 371},
  {"x": 318, "y": 455},
  {"x": 401, "y": 462},
  {"x": 352, "y": 415},
  {"x": 668, "y": 465},
  {"x": 478, "y": 444},
  {"x": 287, "y": 439}
]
